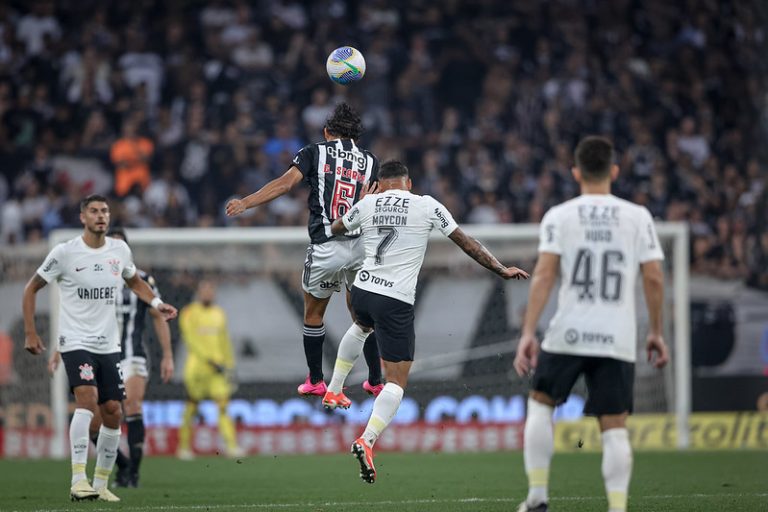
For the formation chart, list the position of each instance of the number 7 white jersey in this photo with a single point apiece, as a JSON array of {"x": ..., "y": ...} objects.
[
  {"x": 601, "y": 241},
  {"x": 396, "y": 226}
]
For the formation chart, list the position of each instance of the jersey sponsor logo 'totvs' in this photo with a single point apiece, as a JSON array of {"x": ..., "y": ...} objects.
[
  {"x": 572, "y": 336},
  {"x": 366, "y": 277}
]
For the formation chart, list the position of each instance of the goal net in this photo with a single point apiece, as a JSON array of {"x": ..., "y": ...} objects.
[{"x": 467, "y": 326}]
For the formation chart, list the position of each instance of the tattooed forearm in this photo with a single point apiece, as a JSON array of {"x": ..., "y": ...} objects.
[{"x": 476, "y": 251}]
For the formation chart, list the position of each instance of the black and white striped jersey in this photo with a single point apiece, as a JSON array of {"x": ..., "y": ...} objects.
[
  {"x": 131, "y": 318},
  {"x": 336, "y": 172}
]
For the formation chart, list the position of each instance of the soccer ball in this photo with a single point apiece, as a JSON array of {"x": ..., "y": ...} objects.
[{"x": 345, "y": 65}]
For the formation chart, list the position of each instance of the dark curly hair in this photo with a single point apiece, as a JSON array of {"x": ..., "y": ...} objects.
[{"x": 345, "y": 122}]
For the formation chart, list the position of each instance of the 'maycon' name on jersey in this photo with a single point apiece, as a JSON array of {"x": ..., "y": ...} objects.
[{"x": 391, "y": 211}]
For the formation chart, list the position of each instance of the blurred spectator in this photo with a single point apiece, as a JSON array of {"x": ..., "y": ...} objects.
[
  {"x": 483, "y": 100},
  {"x": 131, "y": 155},
  {"x": 34, "y": 27}
]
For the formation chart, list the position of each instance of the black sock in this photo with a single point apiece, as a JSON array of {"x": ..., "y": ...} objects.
[
  {"x": 372, "y": 359},
  {"x": 314, "y": 336},
  {"x": 135, "y": 440}
]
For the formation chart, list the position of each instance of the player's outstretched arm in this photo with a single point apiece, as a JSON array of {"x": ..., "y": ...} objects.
[
  {"x": 483, "y": 256},
  {"x": 143, "y": 291},
  {"x": 164, "y": 338},
  {"x": 653, "y": 287},
  {"x": 32, "y": 342},
  {"x": 272, "y": 190},
  {"x": 544, "y": 277}
]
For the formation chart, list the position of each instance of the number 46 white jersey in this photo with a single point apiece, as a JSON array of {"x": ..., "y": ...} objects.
[
  {"x": 396, "y": 226},
  {"x": 601, "y": 241}
]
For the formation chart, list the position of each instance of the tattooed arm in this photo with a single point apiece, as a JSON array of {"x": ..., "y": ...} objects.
[{"x": 483, "y": 256}]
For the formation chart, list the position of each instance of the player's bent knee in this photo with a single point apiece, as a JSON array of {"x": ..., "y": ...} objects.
[
  {"x": 133, "y": 407},
  {"x": 111, "y": 413},
  {"x": 86, "y": 397},
  {"x": 542, "y": 398},
  {"x": 364, "y": 328},
  {"x": 609, "y": 421}
]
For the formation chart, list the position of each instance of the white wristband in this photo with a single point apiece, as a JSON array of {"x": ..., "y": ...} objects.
[{"x": 156, "y": 302}]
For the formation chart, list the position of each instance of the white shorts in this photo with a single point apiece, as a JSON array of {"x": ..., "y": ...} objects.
[
  {"x": 134, "y": 367},
  {"x": 330, "y": 265}
]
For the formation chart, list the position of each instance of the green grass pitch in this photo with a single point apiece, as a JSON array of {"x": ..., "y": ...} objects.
[{"x": 670, "y": 482}]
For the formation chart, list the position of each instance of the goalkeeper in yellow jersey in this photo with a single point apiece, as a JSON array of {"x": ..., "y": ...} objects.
[{"x": 209, "y": 361}]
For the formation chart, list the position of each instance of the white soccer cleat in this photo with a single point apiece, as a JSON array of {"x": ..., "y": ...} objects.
[
  {"x": 185, "y": 455},
  {"x": 107, "y": 495},
  {"x": 524, "y": 507},
  {"x": 236, "y": 453},
  {"x": 82, "y": 491}
]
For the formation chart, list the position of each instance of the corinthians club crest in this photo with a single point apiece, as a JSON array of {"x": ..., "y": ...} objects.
[
  {"x": 114, "y": 266},
  {"x": 86, "y": 371}
]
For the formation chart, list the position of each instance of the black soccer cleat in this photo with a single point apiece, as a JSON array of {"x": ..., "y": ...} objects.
[{"x": 122, "y": 479}]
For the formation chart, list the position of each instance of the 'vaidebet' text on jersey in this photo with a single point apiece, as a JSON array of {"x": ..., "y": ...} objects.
[
  {"x": 396, "y": 226},
  {"x": 89, "y": 281},
  {"x": 601, "y": 240},
  {"x": 336, "y": 172}
]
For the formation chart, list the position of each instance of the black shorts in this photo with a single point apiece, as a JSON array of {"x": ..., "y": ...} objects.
[
  {"x": 610, "y": 382},
  {"x": 393, "y": 321},
  {"x": 85, "y": 368}
]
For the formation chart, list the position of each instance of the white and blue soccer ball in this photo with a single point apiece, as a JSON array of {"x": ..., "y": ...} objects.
[{"x": 345, "y": 65}]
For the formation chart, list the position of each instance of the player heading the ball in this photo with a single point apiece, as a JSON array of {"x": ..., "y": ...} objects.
[{"x": 396, "y": 226}]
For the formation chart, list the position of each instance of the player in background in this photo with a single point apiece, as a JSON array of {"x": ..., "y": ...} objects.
[
  {"x": 396, "y": 226},
  {"x": 89, "y": 270},
  {"x": 596, "y": 243},
  {"x": 131, "y": 316},
  {"x": 338, "y": 173},
  {"x": 132, "y": 320},
  {"x": 209, "y": 363}
]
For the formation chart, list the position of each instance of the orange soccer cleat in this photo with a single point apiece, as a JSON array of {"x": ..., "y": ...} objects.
[
  {"x": 364, "y": 455},
  {"x": 336, "y": 400}
]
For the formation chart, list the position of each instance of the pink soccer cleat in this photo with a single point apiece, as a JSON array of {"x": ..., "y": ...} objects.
[
  {"x": 309, "y": 389},
  {"x": 372, "y": 390}
]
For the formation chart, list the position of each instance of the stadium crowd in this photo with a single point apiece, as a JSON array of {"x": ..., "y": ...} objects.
[{"x": 173, "y": 107}]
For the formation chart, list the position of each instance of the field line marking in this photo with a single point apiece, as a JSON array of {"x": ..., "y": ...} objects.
[{"x": 401, "y": 502}]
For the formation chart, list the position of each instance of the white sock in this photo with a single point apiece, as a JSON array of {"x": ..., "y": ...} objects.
[
  {"x": 106, "y": 453},
  {"x": 538, "y": 447},
  {"x": 384, "y": 409},
  {"x": 78, "y": 442},
  {"x": 350, "y": 348},
  {"x": 617, "y": 467}
]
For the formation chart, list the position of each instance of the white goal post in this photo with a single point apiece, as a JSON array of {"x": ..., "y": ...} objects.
[{"x": 674, "y": 236}]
